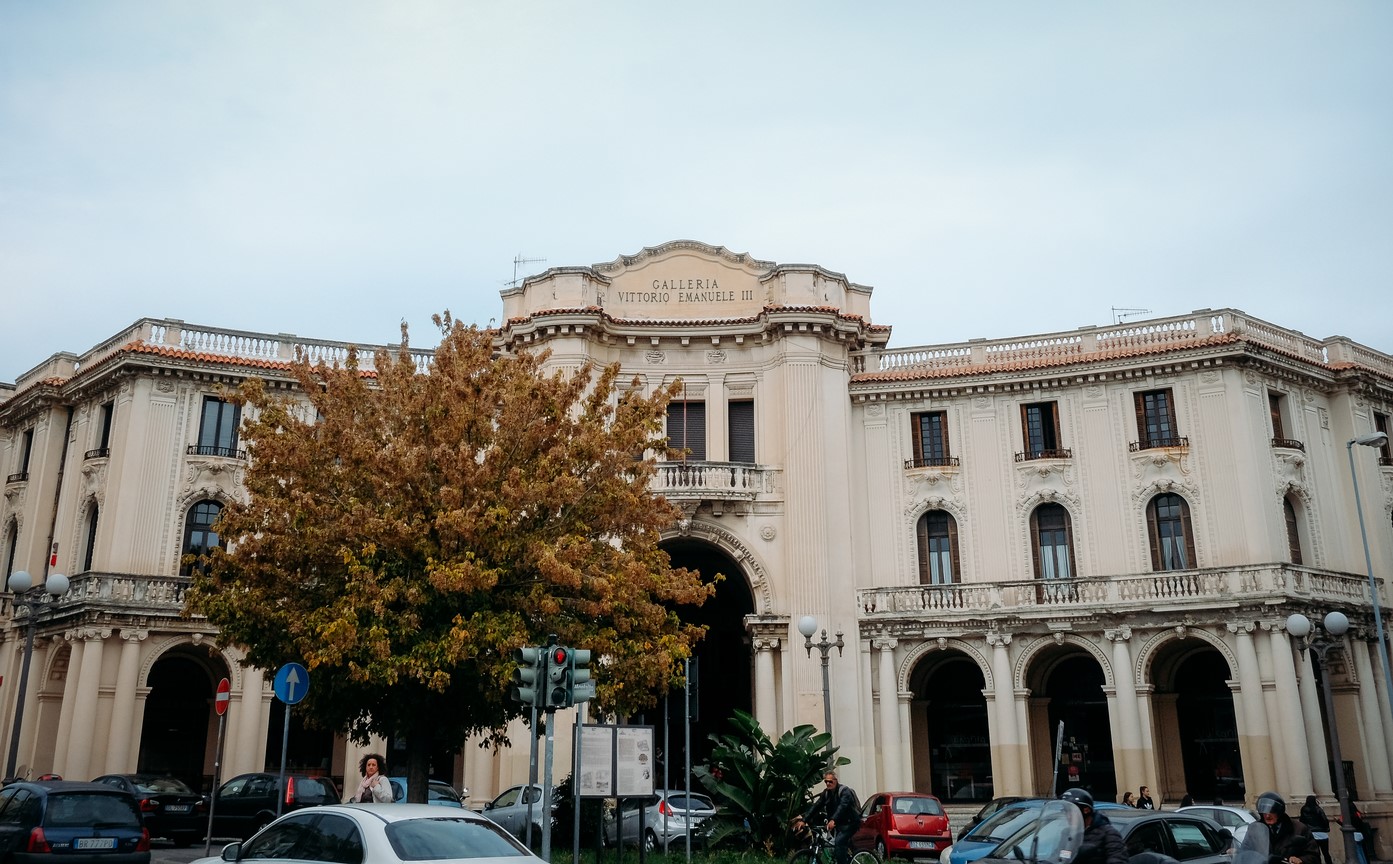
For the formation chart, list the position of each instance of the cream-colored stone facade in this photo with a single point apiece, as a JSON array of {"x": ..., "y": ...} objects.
[{"x": 861, "y": 455}]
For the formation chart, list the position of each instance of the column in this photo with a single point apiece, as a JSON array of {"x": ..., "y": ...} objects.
[
  {"x": 1385, "y": 713},
  {"x": 1289, "y": 714},
  {"x": 65, "y": 710},
  {"x": 1272, "y": 699},
  {"x": 84, "y": 728},
  {"x": 891, "y": 774},
  {"x": 904, "y": 748},
  {"x": 29, "y": 732},
  {"x": 120, "y": 739},
  {"x": 766, "y": 688},
  {"x": 247, "y": 706},
  {"x": 1128, "y": 748},
  {"x": 1309, "y": 691},
  {"x": 1254, "y": 741},
  {"x": 1375, "y": 751},
  {"x": 1007, "y": 740}
]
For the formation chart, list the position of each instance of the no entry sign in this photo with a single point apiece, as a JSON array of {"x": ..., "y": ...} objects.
[{"x": 224, "y": 695}]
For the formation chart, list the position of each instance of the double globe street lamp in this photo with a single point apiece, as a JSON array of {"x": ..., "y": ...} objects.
[
  {"x": 1335, "y": 625},
  {"x": 807, "y": 625},
  {"x": 29, "y": 596}
]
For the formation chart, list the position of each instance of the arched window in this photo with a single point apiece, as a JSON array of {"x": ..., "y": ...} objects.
[
  {"x": 938, "y": 548},
  {"x": 1172, "y": 538},
  {"x": 1052, "y": 541},
  {"x": 1293, "y": 531},
  {"x": 11, "y": 545},
  {"x": 91, "y": 536},
  {"x": 199, "y": 536}
]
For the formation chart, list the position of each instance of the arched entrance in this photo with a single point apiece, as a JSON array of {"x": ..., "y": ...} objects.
[
  {"x": 1071, "y": 684},
  {"x": 723, "y": 659},
  {"x": 1193, "y": 699},
  {"x": 952, "y": 750},
  {"x": 177, "y": 733}
]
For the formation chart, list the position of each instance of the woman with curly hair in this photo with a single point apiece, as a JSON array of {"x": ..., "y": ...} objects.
[{"x": 375, "y": 786}]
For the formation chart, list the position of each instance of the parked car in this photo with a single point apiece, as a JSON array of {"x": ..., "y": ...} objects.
[
  {"x": 247, "y": 803},
  {"x": 378, "y": 834},
  {"x": 1185, "y": 837},
  {"x": 168, "y": 806},
  {"x": 907, "y": 824},
  {"x": 77, "y": 823},
  {"x": 1236, "y": 819},
  {"x": 988, "y": 809},
  {"x": 667, "y": 817},
  {"x": 509, "y": 809},
  {"x": 438, "y": 792},
  {"x": 980, "y": 840}
]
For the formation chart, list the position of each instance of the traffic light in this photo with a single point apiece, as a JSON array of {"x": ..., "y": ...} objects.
[
  {"x": 582, "y": 689},
  {"x": 558, "y": 677},
  {"x": 527, "y": 678}
]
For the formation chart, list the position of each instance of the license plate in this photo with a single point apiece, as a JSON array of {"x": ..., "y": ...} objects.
[
  {"x": 95, "y": 843},
  {"x": 177, "y": 808},
  {"x": 922, "y": 844}
]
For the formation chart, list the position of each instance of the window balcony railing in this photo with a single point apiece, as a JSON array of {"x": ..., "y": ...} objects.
[
  {"x": 97, "y": 453},
  {"x": 1030, "y": 455},
  {"x": 117, "y": 594},
  {"x": 1288, "y": 443},
  {"x": 933, "y": 462},
  {"x": 1174, "y": 589},
  {"x": 730, "y": 481},
  {"x": 1158, "y": 443},
  {"x": 17, "y": 477},
  {"x": 210, "y": 450}
]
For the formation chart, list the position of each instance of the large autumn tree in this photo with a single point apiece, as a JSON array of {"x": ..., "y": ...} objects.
[{"x": 405, "y": 529}]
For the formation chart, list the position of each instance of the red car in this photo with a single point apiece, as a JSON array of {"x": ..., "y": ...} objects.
[{"x": 907, "y": 824}]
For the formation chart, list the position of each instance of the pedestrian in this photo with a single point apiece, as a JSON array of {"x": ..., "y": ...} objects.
[
  {"x": 1288, "y": 842},
  {"x": 838, "y": 808},
  {"x": 375, "y": 787},
  {"x": 1102, "y": 844},
  {"x": 1144, "y": 801},
  {"x": 1188, "y": 800},
  {"x": 1128, "y": 799},
  {"x": 1313, "y": 817}
]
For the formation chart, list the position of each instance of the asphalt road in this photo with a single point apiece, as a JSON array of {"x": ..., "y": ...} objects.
[{"x": 163, "y": 852}]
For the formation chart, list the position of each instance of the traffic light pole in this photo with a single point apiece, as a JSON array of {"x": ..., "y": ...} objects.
[
  {"x": 546, "y": 789},
  {"x": 531, "y": 775}
]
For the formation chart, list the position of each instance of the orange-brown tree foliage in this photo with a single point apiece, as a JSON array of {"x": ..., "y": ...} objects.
[{"x": 404, "y": 532}]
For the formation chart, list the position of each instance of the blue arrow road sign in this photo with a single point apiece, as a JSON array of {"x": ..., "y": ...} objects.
[{"x": 292, "y": 683}]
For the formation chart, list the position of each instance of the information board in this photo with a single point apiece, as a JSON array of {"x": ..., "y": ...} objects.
[{"x": 616, "y": 761}]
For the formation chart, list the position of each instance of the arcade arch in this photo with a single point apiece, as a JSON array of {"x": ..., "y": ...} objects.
[
  {"x": 1196, "y": 726},
  {"x": 951, "y": 751},
  {"x": 178, "y": 731},
  {"x": 1067, "y": 679}
]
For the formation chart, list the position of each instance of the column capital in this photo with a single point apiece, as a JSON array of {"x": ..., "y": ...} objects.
[
  {"x": 87, "y": 634},
  {"x": 767, "y": 643},
  {"x": 1242, "y": 628},
  {"x": 1120, "y": 634},
  {"x": 998, "y": 639},
  {"x": 886, "y": 644},
  {"x": 134, "y": 635}
]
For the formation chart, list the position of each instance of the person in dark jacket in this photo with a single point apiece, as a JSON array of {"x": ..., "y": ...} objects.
[
  {"x": 1144, "y": 801},
  {"x": 1313, "y": 817},
  {"x": 1289, "y": 842},
  {"x": 837, "y": 808},
  {"x": 1102, "y": 844}
]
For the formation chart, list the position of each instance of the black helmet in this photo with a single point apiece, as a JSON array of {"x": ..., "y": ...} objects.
[
  {"x": 1271, "y": 802},
  {"x": 1080, "y": 797}
]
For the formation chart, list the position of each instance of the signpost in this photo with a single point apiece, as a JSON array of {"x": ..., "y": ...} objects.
[
  {"x": 220, "y": 699},
  {"x": 291, "y": 684}
]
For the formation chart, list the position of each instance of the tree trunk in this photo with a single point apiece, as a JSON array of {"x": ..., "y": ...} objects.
[{"x": 420, "y": 741}]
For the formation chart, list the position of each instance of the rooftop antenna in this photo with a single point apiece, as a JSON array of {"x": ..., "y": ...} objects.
[
  {"x": 1122, "y": 313},
  {"x": 518, "y": 261}
]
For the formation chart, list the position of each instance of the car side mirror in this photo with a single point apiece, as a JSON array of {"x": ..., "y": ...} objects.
[
  {"x": 488, "y": 806},
  {"x": 231, "y": 851}
]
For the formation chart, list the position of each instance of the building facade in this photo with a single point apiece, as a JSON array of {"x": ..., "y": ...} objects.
[{"x": 1101, "y": 531}]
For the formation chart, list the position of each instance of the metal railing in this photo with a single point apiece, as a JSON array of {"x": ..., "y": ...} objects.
[
  {"x": 1058, "y": 453},
  {"x": 1159, "y": 443},
  {"x": 17, "y": 477},
  {"x": 210, "y": 450},
  {"x": 97, "y": 453},
  {"x": 1288, "y": 443},
  {"x": 933, "y": 462}
]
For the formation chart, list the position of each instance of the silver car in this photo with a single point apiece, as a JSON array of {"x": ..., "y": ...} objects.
[
  {"x": 509, "y": 810},
  {"x": 667, "y": 817}
]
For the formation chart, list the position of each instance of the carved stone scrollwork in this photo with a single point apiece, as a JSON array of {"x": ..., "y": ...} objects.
[{"x": 1120, "y": 634}]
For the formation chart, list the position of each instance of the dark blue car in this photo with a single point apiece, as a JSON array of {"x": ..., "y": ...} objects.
[{"x": 77, "y": 823}]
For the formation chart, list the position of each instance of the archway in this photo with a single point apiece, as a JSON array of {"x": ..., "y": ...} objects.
[
  {"x": 723, "y": 659},
  {"x": 951, "y": 751},
  {"x": 1193, "y": 699},
  {"x": 1071, "y": 683},
  {"x": 177, "y": 731}
]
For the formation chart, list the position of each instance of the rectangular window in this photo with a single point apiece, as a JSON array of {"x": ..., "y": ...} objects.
[
  {"x": 217, "y": 431},
  {"x": 26, "y": 449},
  {"x": 104, "y": 441},
  {"x": 1156, "y": 420},
  {"x": 740, "y": 429},
  {"x": 930, "y": 432},
  {"x": 1385, "y": 450},
  {"x": 686, "y": 428},
  {"x": 1040, "y": 428},
  {"x": 1274, "y": 409}
]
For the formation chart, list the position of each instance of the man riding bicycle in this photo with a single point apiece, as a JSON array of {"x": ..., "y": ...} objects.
[{"x": 838, "y": 808}]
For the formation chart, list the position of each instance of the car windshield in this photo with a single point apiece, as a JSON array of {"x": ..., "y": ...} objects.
[
  {"x": 1004, "y": 823},
  {"x": 89, "y": 810},
  {"x": 447, "y": 838},
  {"x": 314, "y": 788},
  {"x": 161, "y": 785},
  {"x": 917, "y": 807}
]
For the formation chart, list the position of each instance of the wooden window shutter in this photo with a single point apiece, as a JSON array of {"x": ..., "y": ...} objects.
[
  {"x": 921, "y": 531},
  {"x": 1140, "y": 399},
  {"x": 1190, "y": 560},
  {"x": 1153, "y": 532},
  {"x": 1035, "y": 542},
  {"x": 953, "y": 537},
  {"x": 1293, "y": 533},
  {"x": 740, "y": 426},
  {"x": 686, "y": 428}
]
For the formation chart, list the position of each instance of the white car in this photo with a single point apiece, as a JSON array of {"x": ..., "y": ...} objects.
[
  {"x": 379, "y": 834},
  {"x": 1236, "y": 819}
]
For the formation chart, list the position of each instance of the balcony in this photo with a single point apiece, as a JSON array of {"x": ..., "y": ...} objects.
[
  {"x": 97, "y": 453},
  {"x": 210, "y": 450},
  {"x": 932, "y": 462},
  {"x": 1288, "y": 444},
  {"x": 712, "y": 481},
  {"x": 17, "y": 477},
  {"x": 1031, "y": 455},
  {"x": 1164, "y": 591},
  {"x": 1158, "y": 443},
  {"x": 118, "y": 594}
]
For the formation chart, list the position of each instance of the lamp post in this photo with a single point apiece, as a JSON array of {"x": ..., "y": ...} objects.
[
  {"x": 1373, "y": 439},
  {"x": 26, "y": 594},
  {"x": 1335, "y": 625},
  {"x": 807, "y": 625}
]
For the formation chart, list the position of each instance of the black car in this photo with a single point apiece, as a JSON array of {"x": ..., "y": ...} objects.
[
  {"x": 77, "y": 823},
  {"x": 170, "y": 808},
  {"x": 1185, "y": 837},
  {"x": 247, "y": 803}
]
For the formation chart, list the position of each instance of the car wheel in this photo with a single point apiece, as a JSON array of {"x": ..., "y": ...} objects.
[
  {"x": 650, "y": 841},
  {"x": 880, "y": 851}
]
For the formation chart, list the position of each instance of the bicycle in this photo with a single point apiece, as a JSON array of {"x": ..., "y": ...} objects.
[{"x": 820, "y": 850}]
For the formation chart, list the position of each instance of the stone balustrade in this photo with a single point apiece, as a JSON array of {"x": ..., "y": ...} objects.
[
  {"x": 729, "y": 481},
  {"x": 120, "y": 593}
]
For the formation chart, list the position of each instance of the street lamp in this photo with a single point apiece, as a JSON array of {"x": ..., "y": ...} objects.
[
  {"x": 807, "y": 625},
  {"x": 1335, "y": 625},
  {"x": 26, "y": 594},
  {"x": 1373, "y": 439}
]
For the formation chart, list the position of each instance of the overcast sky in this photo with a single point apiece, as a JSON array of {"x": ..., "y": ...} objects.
[{"x": 993, "y": 169}]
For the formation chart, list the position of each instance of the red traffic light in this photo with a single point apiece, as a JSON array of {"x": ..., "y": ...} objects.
[{"x": 559, "y": 656}]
